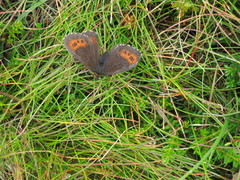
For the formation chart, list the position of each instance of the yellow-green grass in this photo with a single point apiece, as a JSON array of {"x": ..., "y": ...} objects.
[{"x": 174, "y": 116}]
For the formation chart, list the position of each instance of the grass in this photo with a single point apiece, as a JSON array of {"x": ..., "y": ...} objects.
[{"x": 174, "y": 116}]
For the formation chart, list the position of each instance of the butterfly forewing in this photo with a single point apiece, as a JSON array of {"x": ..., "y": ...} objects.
[
  {"x": 121, "y": 58},
  {"x": 84, "y": 47}
]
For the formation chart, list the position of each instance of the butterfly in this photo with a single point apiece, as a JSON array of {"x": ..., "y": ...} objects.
[{"x": 84, "y": 47}]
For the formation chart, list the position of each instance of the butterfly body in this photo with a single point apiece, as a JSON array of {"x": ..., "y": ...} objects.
[{"x": 84, "y": 47}]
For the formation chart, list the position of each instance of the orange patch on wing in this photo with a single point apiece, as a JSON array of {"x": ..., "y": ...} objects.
[
  {"x": 130, "y": 57},
  {"x": 77, "y": 43}
]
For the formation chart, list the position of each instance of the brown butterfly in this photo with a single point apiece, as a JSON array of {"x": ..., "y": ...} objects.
[{"x": 84, "y": 46}]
